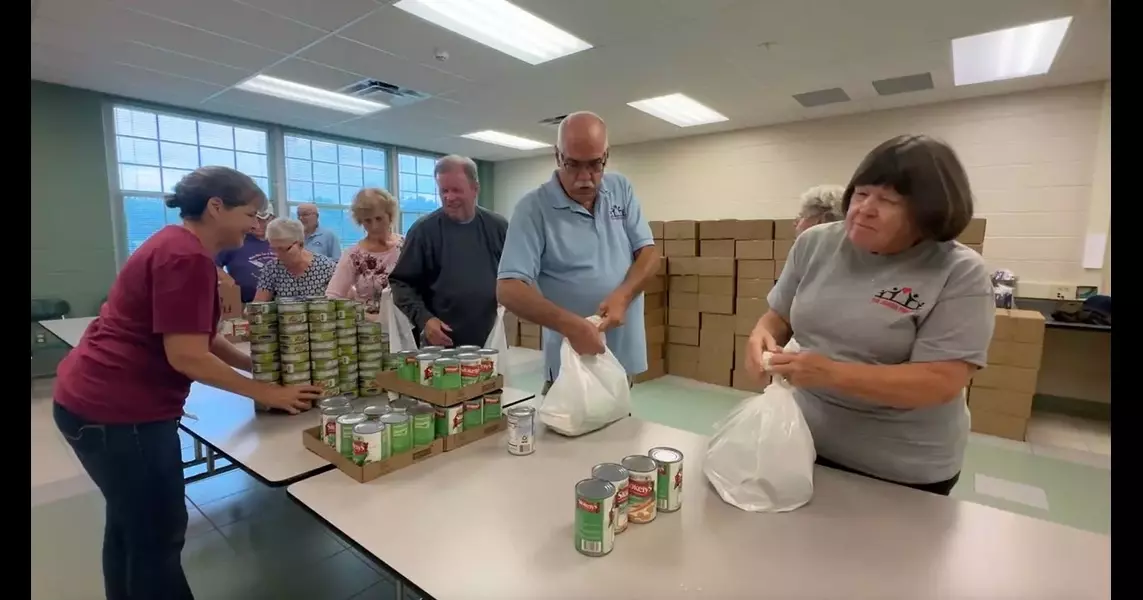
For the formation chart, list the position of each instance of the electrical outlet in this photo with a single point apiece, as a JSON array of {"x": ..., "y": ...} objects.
[{"x": 1063, "y": 292}]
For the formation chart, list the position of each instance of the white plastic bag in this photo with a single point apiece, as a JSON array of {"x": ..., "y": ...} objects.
[
  {"x": 761, "y": 456},
  {"x": 590, "y": 392},
  {"x": 401, "y": 329}
]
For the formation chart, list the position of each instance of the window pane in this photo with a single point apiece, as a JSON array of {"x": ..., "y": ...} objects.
[
  {"x": 374, "y": 178},
  {"x": 324, "y": 151},
  {"x": 408, "y": 219},
  {"x": 145, "y": 216},
  {"x": 373, "y": 158},
  {"x": 325, "y": 172},
  {"x": 426, "y": 185},
  {"x": 349, "y": 155},
  {"x": 408, "y": 183},
  {"x": 425, "y": 165},
  {"x": 215, "y": 135},
  {"x": 297, "y": 147},
  {"x": 349, "y": 176},
  {"x": 263, "y": 184},
  {"x": 179, "y": 156},
  {"x": 135, "y": 123},
  {"x": 325, "y": 193},
  {"x": 143, "y": 179},
  {"x": 214, "y": 156},
  {"x": 253, "y": 165},
  {"x": 407, "y": 163},
  {"x": 177, "y": 129},
  {"x": 347, "y": 194},
  {"x": 249, "y": 140},
  {"x": 171, "y": 178},
  {"x": 299, "y": 191},
  {"x": 137, "y": 151},
  {"x": 298, "y": 170}
]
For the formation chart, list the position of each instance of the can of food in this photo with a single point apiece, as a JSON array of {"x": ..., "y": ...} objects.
[
  {"x": 347, "y": 351},
  {"x": 374, "y": 357},
  {"x": 265, "y": 367},
  {"x": 369, "y": 328},
  {"x": 322, "y": 336},
  {"x": 348, "y": 388},
  {"x": 492, "y": 408},
  {"x": 473, "y": 413},
  {"x": 433, "y": 349},
  {"x": 320, "y": 317},
  {"x": 267, "y": 376},
  {"x": 489, "y": 363},
  {"x": 369, "y": 365},
  {"x": 345, "y": 425},
  {"x": 296, "y": 377},
  {"x": 449, "y": 353},
  {"x": 263, "y": 338},
  {"x": 326, "y": 374},
  {"x": 425, "y": 368},
  {"x": 324, "y": 327},
  {"x": 295, "y": 358},
  {"x": 377, "y": 348},
  {"x": 469, "y": 368},
  {"x": 294, "y": 328},
  {"x": 424, "y": 429},
  {"x": 364, "y": 373},
  {"x": 259, "y": 308},
  {"x": 669, "y": 484},
  {"x": 260, "y": 319},
  {"x": 344, "y": 339},
  {"x": 264, "y": 328},
  {"x": 402, "y": 404},
  {"x": 294, "y": 348},
  {"x": 642, "y": 474},
  {"x": 594, "y": 517},
  {"x": 322, "y": 364},
  {"x": 407, "y": 369},
  {"x": 467, "y": 349},
  {"x": 291, "y": 305},
  {"x": 389, "y": 362},
  {"x": 347, "y": 324},
  {"x": 319, "y": 304},
  {"x": 325, "y": 383},
  {"x": 521, "y": 430},
  {"x": 370, "y": 442},
  {"x": 263, "y": 358},
  {"x": 374, "y": 411},
  {"x": 617, "y": 476},
  {"x": 333, "y": 401},
  {"x": 349, "y": 369},
  {"x": 449, "y": 420},
  {"x": 346, "y": 309},
  {"x": 329, "y": 417},
  {"x": 323, "y": 354},
  {"x": 292, "y": 318},
  {"x": 400, "y": 438},
  {"x": 368, "y": 388},
  {"x": 369, "y": 338},
  {"x": 330, "y": 345},
  {"x": 294, "y": 338},
  {"x": 446, "y": 374}
]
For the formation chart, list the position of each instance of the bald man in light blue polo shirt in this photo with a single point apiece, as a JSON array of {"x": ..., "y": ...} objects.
[{"x": 579, "y": 246}]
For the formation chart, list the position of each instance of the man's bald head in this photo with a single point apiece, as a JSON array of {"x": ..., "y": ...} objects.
[
  {"x": 582, "y": 131},
  {"x": 581, "y": 155}
]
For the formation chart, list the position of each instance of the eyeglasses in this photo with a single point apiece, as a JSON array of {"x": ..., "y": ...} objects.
[
  {"x": 281, "y": 250},
  {"x": 591, "y": 166},
  {"x": 264, "y": 216}
]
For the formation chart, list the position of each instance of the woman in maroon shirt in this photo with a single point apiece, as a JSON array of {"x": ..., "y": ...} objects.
[{"x": 119, "y": 395}]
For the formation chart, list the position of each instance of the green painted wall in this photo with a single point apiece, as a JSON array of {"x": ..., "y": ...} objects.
[
  {"x": 73, "y": 247},
  {"x": 487, "y": 177}
]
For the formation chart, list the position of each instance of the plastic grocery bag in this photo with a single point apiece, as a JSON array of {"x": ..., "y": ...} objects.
[
  {"x": 401, "y": 329},
  {"x": 761, "y": 457},
  {"x": 590, "y": 392}
]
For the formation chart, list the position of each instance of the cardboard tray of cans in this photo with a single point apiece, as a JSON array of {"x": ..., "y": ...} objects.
[
  {"x": 313, "y": 442},
  {"x": 390, "y": 380}
]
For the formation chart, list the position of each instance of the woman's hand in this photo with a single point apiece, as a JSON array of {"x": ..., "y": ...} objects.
[
  {"x": 803, "y": 369},
  {"x": 290, "y": 398},
  {"x": 760, "y": 341}
]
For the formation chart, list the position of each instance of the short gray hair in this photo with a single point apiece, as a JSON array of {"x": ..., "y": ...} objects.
[
  {"x": 452, "y": 161},
  {"x": 822, "y": 202},
  {"x": 286, "y": 230}
]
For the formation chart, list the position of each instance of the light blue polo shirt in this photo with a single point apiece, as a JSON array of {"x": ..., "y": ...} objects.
[
  {"x": 577, "y": 259},
  {"x": 323, "y": 241}
]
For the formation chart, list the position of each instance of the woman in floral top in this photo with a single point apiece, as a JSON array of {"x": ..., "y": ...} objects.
[{"x": 363, "y": 272}]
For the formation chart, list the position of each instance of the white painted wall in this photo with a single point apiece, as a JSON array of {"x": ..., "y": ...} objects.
[{"x": 1032, "y": 159}]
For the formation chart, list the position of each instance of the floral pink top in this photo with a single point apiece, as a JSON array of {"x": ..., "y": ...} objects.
[{"x": 362, "y": 275}]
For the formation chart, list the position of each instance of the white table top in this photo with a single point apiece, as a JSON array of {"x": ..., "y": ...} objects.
[
  {"x": 68, "y": 330},
  {"x": 267, "y": 445},
  {"x": 858, "y": 538}
]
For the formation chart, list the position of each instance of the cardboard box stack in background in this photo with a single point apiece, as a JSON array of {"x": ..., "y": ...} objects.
[
  {"x": 655, "y": 315},
  {"x": 529, "y": 335},
  {"x": 1000, "y": 397},
  {"x": 756, "y": 254},
  {"x": 511, "y": 328},
  {"x": 973, "y": 235}
]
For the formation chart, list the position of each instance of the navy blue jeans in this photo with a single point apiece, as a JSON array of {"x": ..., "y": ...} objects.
[{"x": 139, "y": 470}]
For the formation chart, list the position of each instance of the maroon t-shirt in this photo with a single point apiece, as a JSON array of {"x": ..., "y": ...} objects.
[{"x": 119, "y": 371}]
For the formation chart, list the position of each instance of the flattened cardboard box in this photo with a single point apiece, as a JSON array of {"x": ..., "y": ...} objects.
[
  {"x": 754, "y": 250},
  {"x": 717, "y": 248},
  {"x": 678, "y": 317},
  {"x": 684, "y": 283},
  {"x": 389, "y": 380},
  {"x": 754, "y": 229},
  {"x": 680, "y": 230},
  {"x": 784, "y": 229},
  {"x": 680, "y": 248},
  {"x": 756, "y": 269},
  {"x": 657, "y": 229},
  {"x": 723, "y": 229},
  {"x": 311, "y": 439}
]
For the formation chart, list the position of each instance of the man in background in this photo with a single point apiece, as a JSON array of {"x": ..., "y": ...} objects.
[
  {"x": 244, "y": 265},
  {"x": 319, "y": 240},
  {"x": 445, "y": 280},
  {"x": 579, "y": 246},
  {"x": 820, "y": 204}
]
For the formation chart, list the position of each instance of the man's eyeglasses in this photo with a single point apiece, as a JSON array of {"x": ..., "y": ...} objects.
[{"x": 591, "y": 166}]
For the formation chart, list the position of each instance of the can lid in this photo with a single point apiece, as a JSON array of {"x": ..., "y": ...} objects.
[
  {"x": 446, "y": 361},
  {"x": 488, "y": 351},
  {"x": 665, "y": 455},
  {"x": 639, "y": 463},
  {"x": 351, "y": 418},
  {"x": 394, "y": 418},
  {"x": 594, "y": 489},
  {"x": 369, "y": 427},
  {"x": 336, "y": 410},
  {"x": 520, "y": 411},
  {"x": 432, "y": 349},
  {"x": 423, "y": 408},
  {"x": 428, "y": 356},
  {"x": 610, "y": 472},
  {"x": 468, "y": 356}
]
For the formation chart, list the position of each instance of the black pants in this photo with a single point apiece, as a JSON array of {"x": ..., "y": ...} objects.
[
  {"x": 138, "y": 468},
  {"x": 941, "y": 488}
]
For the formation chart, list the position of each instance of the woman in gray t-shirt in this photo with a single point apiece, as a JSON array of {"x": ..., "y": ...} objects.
[{"x": 893, "y": 317}]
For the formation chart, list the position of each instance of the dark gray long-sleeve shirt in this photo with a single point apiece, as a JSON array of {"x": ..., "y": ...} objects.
[{"x": 448, "y": 270}]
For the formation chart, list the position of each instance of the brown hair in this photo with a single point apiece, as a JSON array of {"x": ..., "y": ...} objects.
[
  {"x": 195, "y": 189},
  {"x": 927, "y": 172},
  {"x": 370, "y": 201}
]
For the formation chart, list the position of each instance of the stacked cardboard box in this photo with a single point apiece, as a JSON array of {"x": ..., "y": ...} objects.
[
  {"x": 511, "y": 328},
  {"x": 973, "y": 235},
  {"x": 1000, "y": 397},
  {"x": 529, "y": 335}
]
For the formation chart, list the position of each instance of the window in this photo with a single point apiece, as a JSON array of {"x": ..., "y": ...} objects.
[
  {"x": 417, "y": 188},
  {"x": 154, "y": 151},
  {"x": 329, "y": 175}
]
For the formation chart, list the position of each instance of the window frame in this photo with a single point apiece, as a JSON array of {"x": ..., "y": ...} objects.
[{"x": 397, "y": 182}]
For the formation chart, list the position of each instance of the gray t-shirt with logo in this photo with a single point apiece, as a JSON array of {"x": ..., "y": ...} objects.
[{"x": 930, "y": 303}]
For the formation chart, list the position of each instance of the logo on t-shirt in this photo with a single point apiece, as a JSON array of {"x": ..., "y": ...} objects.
[
  {"x": 900, "y": 299},
  {"x": 617, "y": 212}
]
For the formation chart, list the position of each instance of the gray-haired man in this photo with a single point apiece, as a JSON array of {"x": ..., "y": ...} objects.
[{"x": 445, "y": 280}]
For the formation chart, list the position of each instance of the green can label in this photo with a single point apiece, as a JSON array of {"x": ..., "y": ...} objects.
[
  {"x": 449, "y": 420},
  {"x": 446, "y": 375},
  {"x": 473, "y": 413},
  {"x": 400, "y": 438},
  {"x": 491, "y": 407},
  {"x": 594, "y": 517},
  {"x": 423, "y": 428},
  {"x": 294, "y": 338},
  {"x": 292, "y": 318},
  {"x": 320, "y": 317}
]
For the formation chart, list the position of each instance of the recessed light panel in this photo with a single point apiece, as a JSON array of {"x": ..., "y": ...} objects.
[
  {"x": 679, "y": 110},
  {"x": 305, "y": 94},
  {"x": 1008, "y": 53},
  {"x": 507, "y": 140}
]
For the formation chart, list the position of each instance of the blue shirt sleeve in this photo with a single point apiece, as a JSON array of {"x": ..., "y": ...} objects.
[
  {"x": 524, "y": 244},
  {"x": 638, "y": 230},
  {"x": 223, "y": 258},
  {"x": 334, "y": 247}
]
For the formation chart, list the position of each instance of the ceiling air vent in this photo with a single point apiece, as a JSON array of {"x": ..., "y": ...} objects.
[
  {"x": 901, "y": 85},
  {"x": 822, "y": 97},
  {"x": 553, "y": 121},
  {"x": 383, "y": 91}
]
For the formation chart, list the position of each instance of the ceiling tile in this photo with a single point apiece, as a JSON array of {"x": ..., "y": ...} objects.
[
  {"x": 371, "y": 62},
  {"x": 330, "y": 15},
  {"x": 274, "y": 110},
  {"x": 233, "y": 20},
  {"x": 311, "y": 73}
]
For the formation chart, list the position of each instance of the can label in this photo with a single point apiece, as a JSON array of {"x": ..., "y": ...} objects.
[
  {"x": 264, "y": 367},
  {"x": 521, "y": 434},
  {"x": 326, "y": 327},
  {"x": 425, "y": 371},
  {"x": 268, "y": 376},
  {"x": 297, "y": 348},
  {"x": 622, "y": 497},
  {"x": 345, "y": 440},
  {"x": 321, "y": 336},
  {"x": 473, "y": 413},
  {"x": 295, "y": 328},
  {"x": 379, "y": 357},
  {"x": 347, "y": 351},
  {"x": 400, "y": 438},
  {"x": 491, "y": 407},
  {"x": 295, "y": 367},
  {"x": 447, "y": 377},
  {"x": 641, "y": 499},
  {"x": 323, "y": 354},
  {"x": 369, "y": 338},
  {"x": 487, "y": 368},
  {"x": 594, "y": 525},
  {"x": 423, "y": 428},
  {"x": 294, "y": 338},
  {"x": 669, "y": 487},
  {"x": 329, "y": 430},
  {"x": 469, "y": 372},
  {"x": 370, "y": 448},
  {"x": 292, "y": 318},
  {"x": 348, "y": 323},
  {"x": 449, "y": 420},
  {"x": 364, "y": 347},
  {"x": 323, "y": 345},
  {"x": 320, "y": 317}
]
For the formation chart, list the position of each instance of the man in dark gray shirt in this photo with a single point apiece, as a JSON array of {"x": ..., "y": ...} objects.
[{"x": 445, "y": 280}]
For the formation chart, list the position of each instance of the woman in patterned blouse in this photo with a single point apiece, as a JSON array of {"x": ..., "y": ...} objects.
[
  {"x": 363, "y": 272},
  {"x": 296, "y": 272}
]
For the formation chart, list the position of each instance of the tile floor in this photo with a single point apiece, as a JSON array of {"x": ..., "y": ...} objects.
[{"x": 251, "y": 542}]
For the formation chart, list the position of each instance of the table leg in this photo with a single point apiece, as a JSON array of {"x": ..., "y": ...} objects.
[{"x": 204, "y": 455}]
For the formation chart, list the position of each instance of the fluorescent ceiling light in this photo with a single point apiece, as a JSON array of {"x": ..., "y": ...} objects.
[
  {"x": 500, "y": 25},
  {"x": 1008, "y": 53},
  {"x": 505, "y": 139},
  {"x": 679, "y": 110},
  {"x": 305, "y": 94}
]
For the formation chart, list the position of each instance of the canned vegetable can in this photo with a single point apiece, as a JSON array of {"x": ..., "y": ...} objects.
[
  {"x": 594, "y": 517},
  {"x": 424, "y": 425},
  {"x": 329, "y": 415},
  {"x": 449, "y": 420},
  {"x": 469, "y": 368},
  {"x": 492, "y": 406},
  {"x": 617, "y": 476},
  {"x": 489, "y": 363},
  {"x": 669, "y": 483},
  {"x": 400, "y": 437},
  {"x": 643, "y": 473},
  {"x": 446, "y": 374},
  {"x": 473, "y": 413},
  {"x": 369, "y": 442},
  {"x": 521, "y": 430}
]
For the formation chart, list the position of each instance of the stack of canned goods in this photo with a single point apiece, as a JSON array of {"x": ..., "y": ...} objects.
[
  {"x": 372, "y": 346},
  {"x": 264, "y": 347},
  {"x": 377, "y": 432},
  {"x": 448, "y": 368},
  {"x": 634, "y": 490},
  {"x": 468, "y": 415},
  {"x": 321, "y": 336},
  {"x": 294, "y": 341}
]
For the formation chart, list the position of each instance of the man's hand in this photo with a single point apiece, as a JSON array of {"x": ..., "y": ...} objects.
[
  {"x": 290, "y": 398},
  {"x": 760, "y": 341},
  {"x": 613, "y": 310},
  {"x": 585, "y": 338},
  {"x": 803, "y": 369},
  {"x": 436, "y": 332}
]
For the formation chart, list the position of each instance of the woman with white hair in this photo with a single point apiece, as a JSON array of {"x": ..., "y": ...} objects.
[
  {"x": 295, "y": 272},
  {"x": 820, "y": 204}
]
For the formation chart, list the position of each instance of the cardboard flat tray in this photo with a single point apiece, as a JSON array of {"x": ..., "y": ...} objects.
[
  {"x": 311, "y": 438},
  {"x": 389, "y": 380}
]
